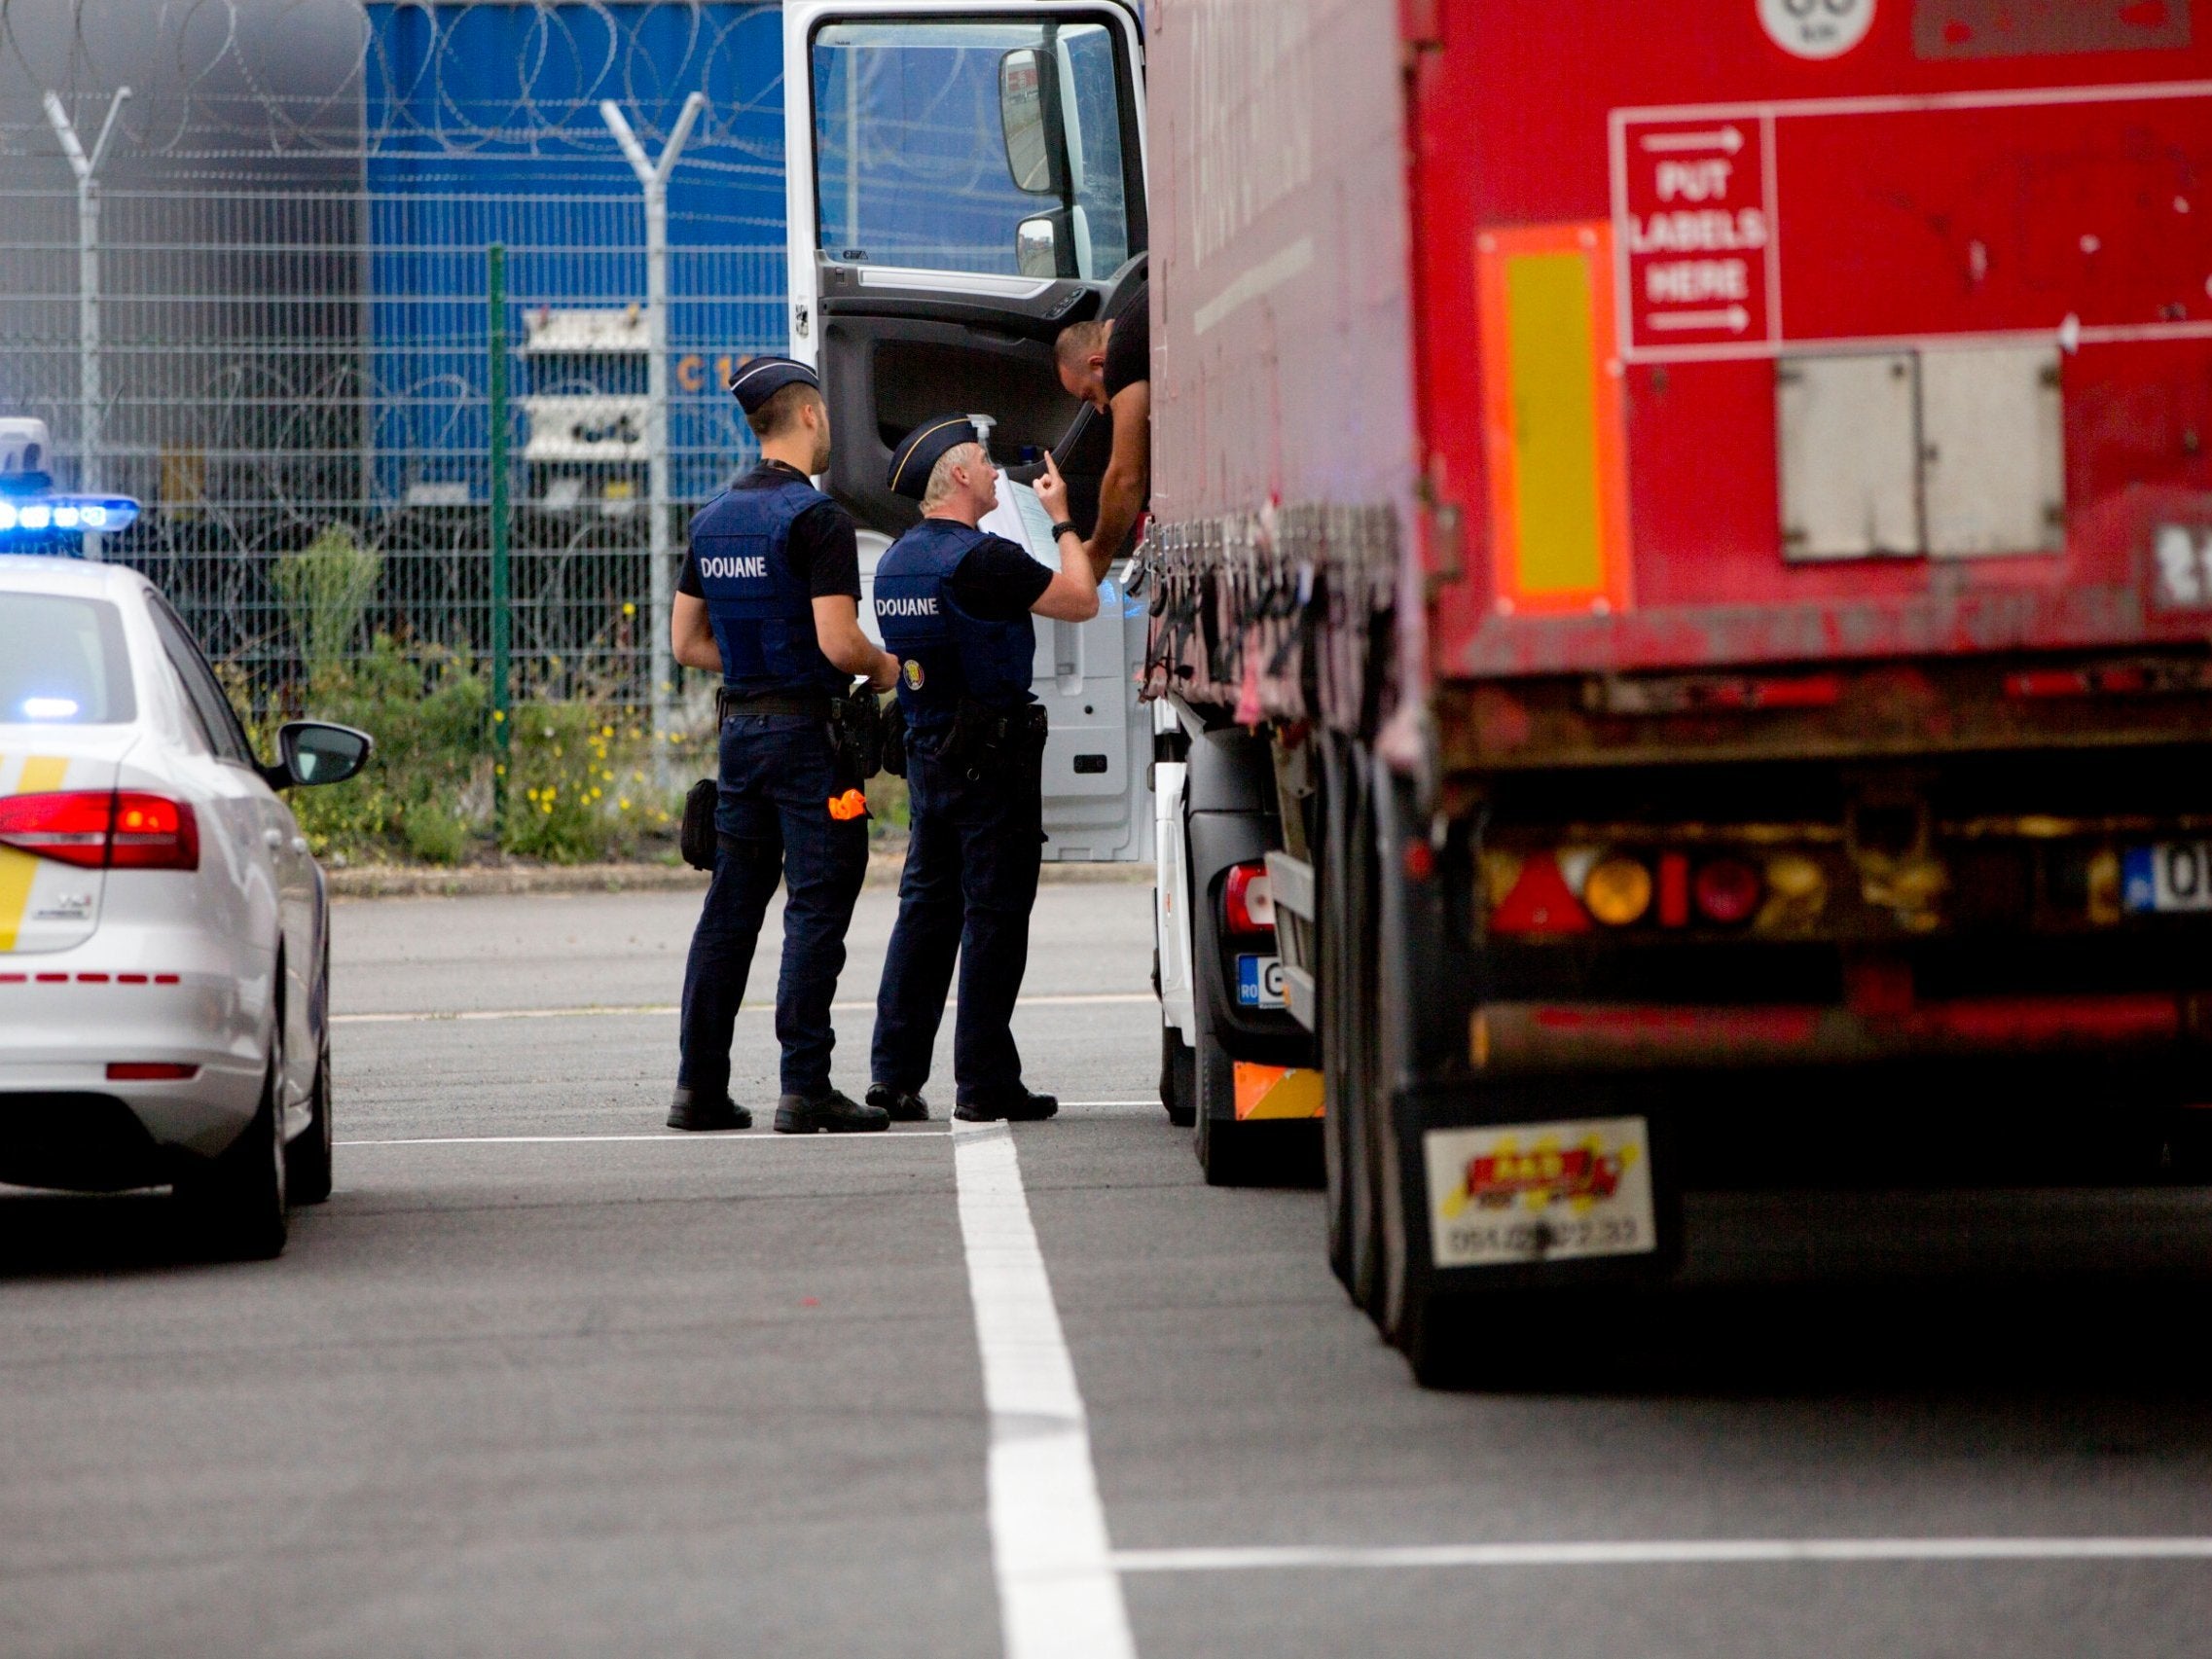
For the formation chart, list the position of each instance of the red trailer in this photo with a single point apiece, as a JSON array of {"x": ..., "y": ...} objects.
[
  {"x": 1708, "y": 509},
  {"x": 1750, "y": 702}
]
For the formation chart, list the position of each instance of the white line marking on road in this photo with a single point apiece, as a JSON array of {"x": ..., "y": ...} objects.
[
  {"x": 674, "y": 1138},
  {"x": 1058, "y": 1597},
  {"x": 1066, "y": 1000},
  {"x": 1667, "y": 1552}
]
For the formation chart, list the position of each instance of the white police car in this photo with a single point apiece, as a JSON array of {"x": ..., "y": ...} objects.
[{"x": 164, "y": 939}]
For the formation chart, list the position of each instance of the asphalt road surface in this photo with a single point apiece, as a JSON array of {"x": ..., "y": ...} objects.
[{"x": 543, "y": 1379}]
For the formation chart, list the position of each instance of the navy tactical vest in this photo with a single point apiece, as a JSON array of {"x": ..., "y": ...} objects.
[
  {"x": 944, "y": 653},
  {"x": 762, "y": 614}
]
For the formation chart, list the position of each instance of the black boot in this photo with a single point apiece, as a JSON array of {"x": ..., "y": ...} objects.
[
  {"x": 690, "y": 1112},
  {"x": 832, "y": 1114},
  {"x": 1024, "y": 1108},
  {"x": 904, "y": 1108}
]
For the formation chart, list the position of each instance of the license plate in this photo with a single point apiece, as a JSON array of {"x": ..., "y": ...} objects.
[
  {"x": 1259, "y": 981},
  {"x": 2172, "y": 876},
  {"x": 1533, "y": 1192}
]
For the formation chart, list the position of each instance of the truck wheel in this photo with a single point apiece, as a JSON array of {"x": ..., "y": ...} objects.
[
  {"x": 1335, "y": 958},
  {"x": 308, "y": 1159},
  {"x": 1178, "y": 1078},
  {"x": 1403, "y": 1304},
  {"x": 1428, "y": 1336},
  {"x": 236, "y": 1204},
  {"x": 1348, "y": 961}
]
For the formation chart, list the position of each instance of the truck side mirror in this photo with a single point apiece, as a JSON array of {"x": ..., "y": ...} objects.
[
  {"x": 1036, "y": 247},
  {"x": 1029, "y": 109}
]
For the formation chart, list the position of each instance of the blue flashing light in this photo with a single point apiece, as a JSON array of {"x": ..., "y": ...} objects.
[{"x": 42, "y": 524}]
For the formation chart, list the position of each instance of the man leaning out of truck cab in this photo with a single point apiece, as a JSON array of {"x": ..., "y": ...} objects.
[
  {"x": 955, "y": 604},
  {"x": 771, "y": 597},
  {"x": 1109, "y": 365}
]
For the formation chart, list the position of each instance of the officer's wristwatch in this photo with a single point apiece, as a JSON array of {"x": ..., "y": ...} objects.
[{"x": 1067, "y": 527}]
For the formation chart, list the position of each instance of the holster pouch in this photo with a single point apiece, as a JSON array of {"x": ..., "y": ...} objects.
[
  {"x": 983, "y": 738},
  {"x": 697, "y": 840},
  {"x": 894, "y": 738},
  {"x": 857, "y": 735}
]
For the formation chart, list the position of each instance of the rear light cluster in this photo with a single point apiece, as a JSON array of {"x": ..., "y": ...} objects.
[
  {"x": 105, "y": 829},
  {"x": 1577, "y": 890},
  {"x": 1248, "y": 899}
]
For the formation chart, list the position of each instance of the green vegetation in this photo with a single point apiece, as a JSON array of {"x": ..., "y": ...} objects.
[
  {"x": 580, "y": 789},
  {"x": 425, "y": 793},
  {"x": 580, "y": 786},
  {"x": 324, "y": 589}
]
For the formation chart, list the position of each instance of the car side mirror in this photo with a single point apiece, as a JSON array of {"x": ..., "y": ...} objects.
[{"x": 314, "y": 751}]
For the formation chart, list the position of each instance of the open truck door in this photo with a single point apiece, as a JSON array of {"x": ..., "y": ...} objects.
[{"x": 966, "y": 180}]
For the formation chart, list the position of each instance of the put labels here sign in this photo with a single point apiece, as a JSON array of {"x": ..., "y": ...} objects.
[{"x": 1694, "y": 231}]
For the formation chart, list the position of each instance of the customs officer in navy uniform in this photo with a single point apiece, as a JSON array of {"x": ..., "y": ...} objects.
[
  {"x": 955, "y": 603},
  {"x": 769, "y": 596}
]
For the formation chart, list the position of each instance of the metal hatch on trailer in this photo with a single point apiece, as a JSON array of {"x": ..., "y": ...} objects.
[{"x": 965, "y": 181}]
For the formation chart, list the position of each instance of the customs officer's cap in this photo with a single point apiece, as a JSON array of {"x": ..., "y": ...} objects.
[
  {"x": 920, "y": 450},
  {"x": 758, "y": 379}
]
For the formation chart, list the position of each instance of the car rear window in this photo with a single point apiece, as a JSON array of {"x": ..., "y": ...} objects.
[{"x": 62, "y": 662}]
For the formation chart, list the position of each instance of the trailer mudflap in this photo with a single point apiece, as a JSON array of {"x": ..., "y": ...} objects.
[{"x": 1522, "y": 1186}]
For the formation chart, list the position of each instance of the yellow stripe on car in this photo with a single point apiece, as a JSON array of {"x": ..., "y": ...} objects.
[
  {"x": 19, "y": 870},
  {"x": 41, "y": 774}
]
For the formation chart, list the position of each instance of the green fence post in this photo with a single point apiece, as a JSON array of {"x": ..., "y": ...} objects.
[{"x": 501, "y": 639}]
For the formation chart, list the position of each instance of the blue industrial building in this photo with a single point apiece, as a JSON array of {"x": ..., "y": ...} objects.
[{"x": 483, "y": 125}]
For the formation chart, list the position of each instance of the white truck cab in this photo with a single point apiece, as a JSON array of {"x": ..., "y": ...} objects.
[
  {"x": 965, "y": 179},
  {"x": 937, "y": 245}
]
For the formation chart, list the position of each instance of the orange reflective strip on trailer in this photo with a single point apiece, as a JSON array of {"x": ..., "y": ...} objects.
[
  {"x": 1553, "y": 421},
  {"x": 1277, "y": 1091}
]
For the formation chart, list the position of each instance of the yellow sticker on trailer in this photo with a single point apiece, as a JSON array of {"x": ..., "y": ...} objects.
[{"x": 1554, "y": 419}]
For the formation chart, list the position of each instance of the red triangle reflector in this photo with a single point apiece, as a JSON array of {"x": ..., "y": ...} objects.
[{"x": 1540, "y": 902}]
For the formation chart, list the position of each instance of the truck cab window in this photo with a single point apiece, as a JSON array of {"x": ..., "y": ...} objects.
[{"x": 912, "y": 144}]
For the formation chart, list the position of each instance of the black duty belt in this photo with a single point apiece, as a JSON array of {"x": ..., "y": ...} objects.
[{"x": 728, "y": 703}]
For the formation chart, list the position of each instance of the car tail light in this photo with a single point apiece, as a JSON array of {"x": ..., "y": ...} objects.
[
  {"x": 68, "y": 829},
  {"x": 102, "y": 829},
  {"x": 1249, "y": 899},
  {"x": 1728, "y": 890},
  {"x": 149, "y": 1072},
  {"x": 152, "y": 832}
]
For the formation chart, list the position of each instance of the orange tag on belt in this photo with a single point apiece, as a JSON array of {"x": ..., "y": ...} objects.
[{"x": 851, "y": 805}]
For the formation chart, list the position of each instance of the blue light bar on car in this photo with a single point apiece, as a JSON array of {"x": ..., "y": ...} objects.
[{"x": 39, "y": 518}]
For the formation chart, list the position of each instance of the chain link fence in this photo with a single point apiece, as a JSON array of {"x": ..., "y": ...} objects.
[{"x": 275, "y": 333}]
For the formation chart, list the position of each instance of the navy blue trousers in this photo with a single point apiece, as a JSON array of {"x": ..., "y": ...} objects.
[
  {"x": 772, "y": 821},
  {"x": 969, "y": 885}
]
